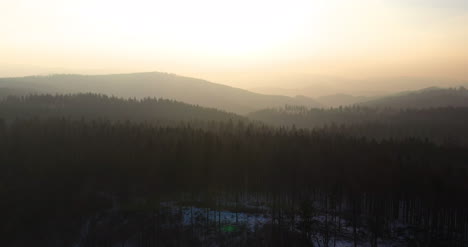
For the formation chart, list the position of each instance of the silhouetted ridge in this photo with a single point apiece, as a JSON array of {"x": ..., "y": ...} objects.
[
  {"x": 443, "y": 124},
  {"x": 154, "y": 84},
  {"x": 96, "y": 106},
  {"x": 424, "y": 98}
]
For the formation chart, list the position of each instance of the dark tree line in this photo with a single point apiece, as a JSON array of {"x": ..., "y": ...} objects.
[
  {"x": 443, "y": 125},
  {"x": 313, "y": 117},
  {"x": 432, "y": 97},
  {"x": 56, "y": 173},
  {"x": 98, "y": 106},
  {"x": 96, "y": 170}
]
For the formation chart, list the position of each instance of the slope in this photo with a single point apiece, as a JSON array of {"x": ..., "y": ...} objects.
[{"x": 155, "y": 84}]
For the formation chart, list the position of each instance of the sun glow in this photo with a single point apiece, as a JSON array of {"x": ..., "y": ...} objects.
[
  {"x": 206, "y": 27},
  {"x": 200, "y": 28},
  {"x": 229, "y": 41}
]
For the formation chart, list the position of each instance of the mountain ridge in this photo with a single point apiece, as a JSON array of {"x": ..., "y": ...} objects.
[
  {"x": 157, "y": 84},
  {"x": 424, "y": 98}
]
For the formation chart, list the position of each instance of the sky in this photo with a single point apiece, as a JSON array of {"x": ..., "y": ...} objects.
[{"x": 242, "y": 43}]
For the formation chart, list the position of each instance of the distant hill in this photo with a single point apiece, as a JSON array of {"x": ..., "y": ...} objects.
[
  {"x": 155, "y": 84},
  {"x": 337, "y": 100},
  {"x": 101, "y": 107},
  {"x": 443, "y": 125},
  {"x": 4, "y": 92},
  {"x": 303, "y": 117},
  {"x": 425, "y": 98}
]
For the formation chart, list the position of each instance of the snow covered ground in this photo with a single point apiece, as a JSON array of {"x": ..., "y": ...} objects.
[{"x": 251, "y": 221}]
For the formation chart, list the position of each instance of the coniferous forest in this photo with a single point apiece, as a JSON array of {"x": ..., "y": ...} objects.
[
  {"x": 233, "y": 123},
  {"x": 93, "y": 170}
]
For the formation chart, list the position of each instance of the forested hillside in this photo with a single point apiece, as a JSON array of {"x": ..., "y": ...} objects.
[
  {"x": 444, "y": 125},
  {"x": 5, "y": 92},
  {"x": 95, "y": 106},
  {"x": 337, "y": 100},
  {"x": 328, "y": 123},
  {"x": 159, "y": 85},
  {"x": 425, "y": 98},
  {"x": 79, "y": 183},
  {"x": 92, "y": 170}
]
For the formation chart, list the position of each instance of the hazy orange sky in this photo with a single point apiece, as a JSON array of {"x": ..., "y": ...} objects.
[{"x": 244, "y": 43}]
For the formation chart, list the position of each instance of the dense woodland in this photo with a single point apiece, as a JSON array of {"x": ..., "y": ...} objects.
[
  {"x": 71, "y": 175},
  {"x": 443, "y": 125},
  {"x": 425, "y": 98},
  {"x": 98, "y": 106}
]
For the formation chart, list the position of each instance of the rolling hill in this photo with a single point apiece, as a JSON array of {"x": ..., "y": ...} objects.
[
  {"x": 425, "y": 98},
  {"x": 101, "y": 107},
  {"x": 4, "y": 92},
  {"x": 155, "y": 84},
  {"x": 336, "y": 100}
]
